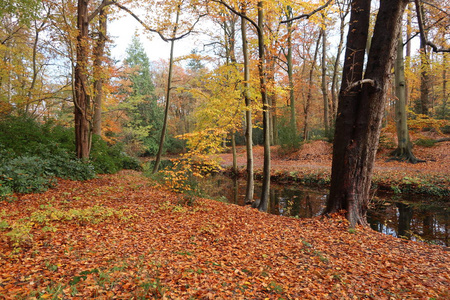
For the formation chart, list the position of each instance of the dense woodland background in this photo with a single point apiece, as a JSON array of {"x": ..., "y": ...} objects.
[
  {"x": 121, "y": 103},
  {"x": 319, "y": 83}
]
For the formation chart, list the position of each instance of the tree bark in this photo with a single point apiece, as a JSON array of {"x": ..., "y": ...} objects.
[
  {"x": 272, "y": 99},
  {"x": 404, "y": 147},
  {"x": 290, "y": 67},
  {"x": 423, "y": 106},
  {"x": 82, "y": 97},
  {"x": 324, "y": 85},
  {"x": 99, "y": 53},
  {"x": 444, "y": 86},
  {"x": 266, "y": 116},
  {"x": 307, "y": 104},
  {"x": 361, "y": 107},
  {"x": 334, "y": 79},
  {"x": 233, "y": 147},
  {"x": 248, "y": 115},
  {"x": 169, "y": 87}
]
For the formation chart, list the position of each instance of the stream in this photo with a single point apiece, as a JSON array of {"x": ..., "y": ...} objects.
[{"x": 419, "y": 218}]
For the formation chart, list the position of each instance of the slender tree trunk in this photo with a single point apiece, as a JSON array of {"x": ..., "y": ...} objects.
[
  {"x": 423, "y": 105},
  {"x": 361, "y": 107},
  {"x": 444, "y": 86},
  {"x": 408, "y": 50},
  {"x": 248, "y": 115},
  {"x": 230, "y": 42},
  {"x": 266, "y": 116},
  {"x": 233, "y": 147},
  {"x": 293, "y": 121},
  {"x": 334, "y": 79},
  {"x": 82, "y": 97},
  {"x": 324, "y": 82},
  {"x": 306, "y": 107},
  {"x": 99, "y": 53},
  {"x": 272, "y": 98},
  {"x": 34, "y": 65},
  {"x": 169, "y": 87}
]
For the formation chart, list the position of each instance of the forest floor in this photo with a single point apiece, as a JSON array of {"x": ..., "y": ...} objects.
[
  {"x": 312, "y": 164},
  {"x": 123, "y": 236}
]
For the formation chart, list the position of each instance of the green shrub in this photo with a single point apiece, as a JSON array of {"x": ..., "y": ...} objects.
[
  {"x": 34, "y": 154},
  {"x": 24, "y": 136},
  {"x": 287, "y": 139},
  {"x": 29, "y": 174},
  {"x": 26, "y": 174},
  {"x": 425, "y": 142},
  {"x": 110, "y": 159}
]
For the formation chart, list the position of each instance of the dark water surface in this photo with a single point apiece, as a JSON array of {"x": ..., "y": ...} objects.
[{"x": 419, "y": 218}]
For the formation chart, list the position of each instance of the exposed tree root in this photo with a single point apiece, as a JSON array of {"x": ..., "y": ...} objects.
[{"x": 405, "y": 154}]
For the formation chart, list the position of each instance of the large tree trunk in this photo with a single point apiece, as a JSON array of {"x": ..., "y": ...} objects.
[
  {"x": 361, "y": 107},
  {"x": 82, "y": 97},
  {"x": 248, "y": 116}
]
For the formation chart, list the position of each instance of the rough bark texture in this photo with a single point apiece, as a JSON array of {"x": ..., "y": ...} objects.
[
  {"x": 361, "y": 107},
  {"x": 82, "y": 98}
]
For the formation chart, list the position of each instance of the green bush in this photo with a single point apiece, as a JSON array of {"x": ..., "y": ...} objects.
[
  {"x": 288, "y": 140},
  {"x": 34, "y": 154},
  {"x": 26, "y": 174},
  {"x": 110, "y": 159},
  {"x": 31, "y": 174},
  {"x": 23, "y": 135},
  {"x": 425, "y": 142}
]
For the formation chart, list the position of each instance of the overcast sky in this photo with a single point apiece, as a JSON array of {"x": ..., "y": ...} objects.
[{"x": 123, "y": 29}]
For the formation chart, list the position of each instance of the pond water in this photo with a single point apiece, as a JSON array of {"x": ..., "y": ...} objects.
[{"x": 410, "y": 216}]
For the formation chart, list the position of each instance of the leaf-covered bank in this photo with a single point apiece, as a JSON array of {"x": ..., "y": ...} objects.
[
  {"x": 311, "y": 165},
  {"x": 120, "y": 236}
]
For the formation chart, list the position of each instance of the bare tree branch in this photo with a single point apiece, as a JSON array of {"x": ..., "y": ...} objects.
[
  {"x": 423, "y": 35},
  {"x": 308, "y": 15},
  {"x": 191, "y": 29},
  {"x": 98, "y": 9},
  {"x": 244, "y": 16},
  {"x": 436, "y": 7},
  {"x": 359, "y": 82}
]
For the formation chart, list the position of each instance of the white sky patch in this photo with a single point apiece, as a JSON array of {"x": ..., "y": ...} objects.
[{"x": 122, "y": 30}]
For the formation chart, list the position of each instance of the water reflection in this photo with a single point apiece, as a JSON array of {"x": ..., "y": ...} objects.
[{"x": 414, "y": 218}]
